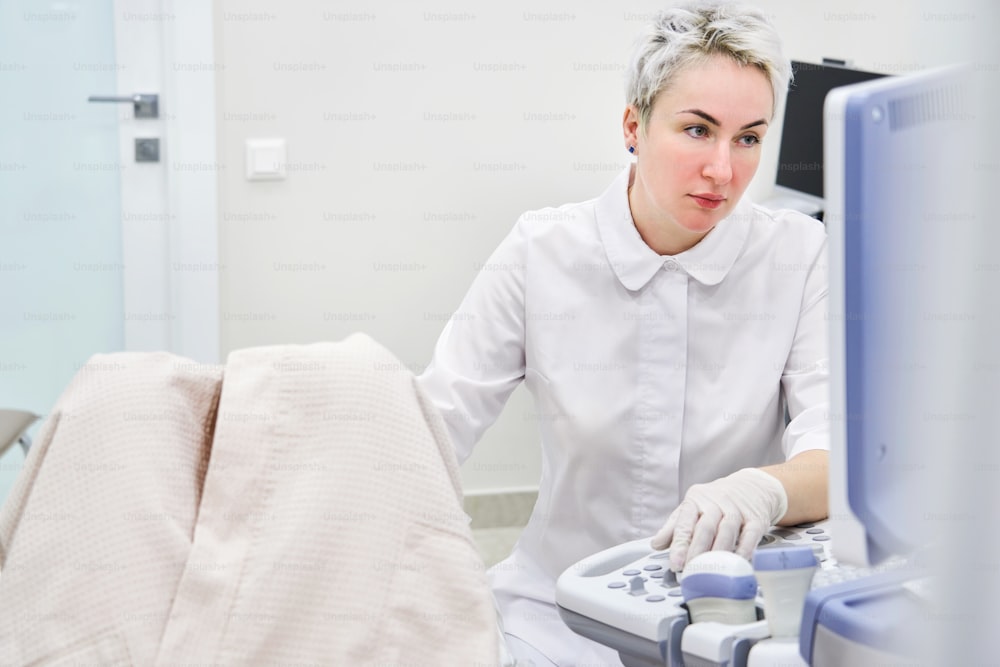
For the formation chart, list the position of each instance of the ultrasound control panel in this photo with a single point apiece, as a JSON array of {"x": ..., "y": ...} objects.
[{"x": 626, "y": 597}]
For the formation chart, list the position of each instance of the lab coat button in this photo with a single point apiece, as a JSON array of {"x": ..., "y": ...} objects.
[{"x": 670, "y": 265}]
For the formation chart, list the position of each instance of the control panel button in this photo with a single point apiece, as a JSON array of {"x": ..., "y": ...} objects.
[{"x": 637, "y": 586}]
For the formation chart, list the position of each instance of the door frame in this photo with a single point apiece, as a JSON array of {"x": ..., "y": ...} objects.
[{"x": 170, "y": 244}]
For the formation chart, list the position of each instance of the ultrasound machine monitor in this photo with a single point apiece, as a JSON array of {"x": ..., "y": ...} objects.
[
  {"x": 896, "y": 157},
  {"x": 895, "y": 150}
]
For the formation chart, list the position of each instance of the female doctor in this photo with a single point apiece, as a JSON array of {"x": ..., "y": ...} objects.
[{"x": 663, "y": 329}]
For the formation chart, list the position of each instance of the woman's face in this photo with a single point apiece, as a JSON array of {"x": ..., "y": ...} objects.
[{"x": 701, "y": 147}]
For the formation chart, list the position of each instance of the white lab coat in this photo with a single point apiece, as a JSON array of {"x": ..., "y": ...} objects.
[{"x": 649, "y": 374}]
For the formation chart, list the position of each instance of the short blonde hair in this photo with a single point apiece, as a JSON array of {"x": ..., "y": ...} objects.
[{"x": 691, "y": 32}]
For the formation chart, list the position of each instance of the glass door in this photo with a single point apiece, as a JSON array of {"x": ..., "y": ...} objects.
[{"x": 61, "y": 265}]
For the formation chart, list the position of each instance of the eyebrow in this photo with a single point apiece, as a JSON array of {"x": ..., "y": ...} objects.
[{"x": 702, "y": 114}]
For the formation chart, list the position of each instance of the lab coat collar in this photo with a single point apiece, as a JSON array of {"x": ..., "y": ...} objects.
[{"x": 635, "y": 263}]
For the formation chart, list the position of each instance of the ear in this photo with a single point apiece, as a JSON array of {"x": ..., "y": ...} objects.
[{"x": 630, "y": 127}]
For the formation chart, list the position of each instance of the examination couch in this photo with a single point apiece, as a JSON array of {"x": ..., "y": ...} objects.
[{"x": 298, "y": 505}]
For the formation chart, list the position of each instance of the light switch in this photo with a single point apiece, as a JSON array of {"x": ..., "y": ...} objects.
[{"x": 265, "y": 159}]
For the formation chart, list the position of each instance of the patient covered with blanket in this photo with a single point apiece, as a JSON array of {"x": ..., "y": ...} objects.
[{"x": 299, "y": 505}]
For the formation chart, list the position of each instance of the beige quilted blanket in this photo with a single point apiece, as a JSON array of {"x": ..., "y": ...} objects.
[{"x": 299, "y": 506}]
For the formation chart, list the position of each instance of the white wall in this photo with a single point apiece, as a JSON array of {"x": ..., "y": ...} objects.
[{"x": 417, "y": 132}]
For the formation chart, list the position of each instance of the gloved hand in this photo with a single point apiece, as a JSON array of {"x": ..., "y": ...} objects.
[{"x": 731, "y": 513}]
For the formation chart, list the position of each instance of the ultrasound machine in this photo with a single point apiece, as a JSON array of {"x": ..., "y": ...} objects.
[{"x": 872, "y": 589}]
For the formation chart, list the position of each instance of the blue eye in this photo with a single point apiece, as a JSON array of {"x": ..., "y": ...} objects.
[
  {"x": 696, "y": 131},
  {"x": 749, "y": 140}
]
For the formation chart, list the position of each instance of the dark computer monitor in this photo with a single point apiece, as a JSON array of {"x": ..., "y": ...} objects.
[{"x": 800, "y": 159}]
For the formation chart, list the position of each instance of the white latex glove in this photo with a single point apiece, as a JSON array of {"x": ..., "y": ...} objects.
[{"x": 731, "y": 513}]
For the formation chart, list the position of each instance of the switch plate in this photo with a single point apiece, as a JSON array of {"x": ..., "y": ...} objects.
[{"x": 265, "y": 159}]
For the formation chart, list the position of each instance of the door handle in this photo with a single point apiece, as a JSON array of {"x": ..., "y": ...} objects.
[{"x": 144, "y": 105}]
